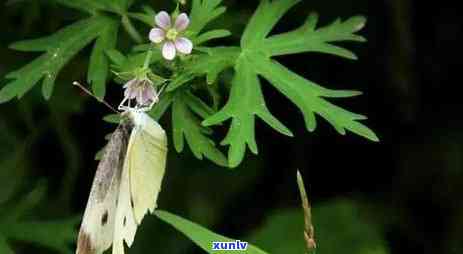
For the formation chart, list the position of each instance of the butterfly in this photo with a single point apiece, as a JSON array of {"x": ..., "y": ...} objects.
[{"x": 126, "y": 184}]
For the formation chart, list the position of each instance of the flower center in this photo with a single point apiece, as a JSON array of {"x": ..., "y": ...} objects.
[{"x": 171, "y": 34}]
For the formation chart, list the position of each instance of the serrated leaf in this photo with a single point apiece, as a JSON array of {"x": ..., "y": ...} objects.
[
  {"x": 308, "y": 97},
  {"x": 187, "y": 125},
  {"x": 246, "y": 101},
  {"x": 50, "y": 63},
  {"x": 198, "y": 106},
  {"x": 203, "y": 12},
  {"x": 210, "y": 64},
  {"x": 266, "y": 16},
  {"x": 210, "y": 35},
  {"x": 201, "y": 236},
  {"x": 306, "y": 39},
  {"x": 98, "y": 69},
  {"x": 54, "y": 40}
]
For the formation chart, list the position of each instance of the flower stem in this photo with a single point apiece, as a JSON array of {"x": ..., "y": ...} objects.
[
  {"x": 309, "y": 234},
  {"x": 148, "y": 59},
  {"x": 133, "y": 33}
]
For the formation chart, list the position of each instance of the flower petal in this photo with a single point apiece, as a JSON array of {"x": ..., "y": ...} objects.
[
  {"x": 184, "y": 45},
  {"x": 130, "y": 93},
  {"x": 148, "y": 94},
  {"x": 169, "y": 51},
  {"x": 182, "y": 22},
  {"x": 139, "y": 98},
  {"x": 157, "y": 35},
  {"x": 130, "y": 83},
  {"x": 163, "y": 20}
]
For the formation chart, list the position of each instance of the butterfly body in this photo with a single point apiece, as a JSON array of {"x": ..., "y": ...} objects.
[{"x": 126, "y": 184}]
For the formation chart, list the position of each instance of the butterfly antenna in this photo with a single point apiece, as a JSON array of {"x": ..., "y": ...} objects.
[{"x": 91, "y": 94}]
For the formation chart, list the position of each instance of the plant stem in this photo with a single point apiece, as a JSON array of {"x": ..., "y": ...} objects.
[
  {"x": 309, "y": 234},
  {"x": 133, "y": 33},
  {"x": 148, "y": 58}
]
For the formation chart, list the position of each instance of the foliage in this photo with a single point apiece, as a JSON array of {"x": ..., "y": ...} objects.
[
  {"x": 16, "y": 223},
  {"x": 60, "y": 48},
  {"x": 198, "y": 95},
  {"x": 199, "y": 235},
  {"x": 191, "y": 115}
]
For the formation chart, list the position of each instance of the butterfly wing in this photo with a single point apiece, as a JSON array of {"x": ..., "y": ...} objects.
[
  {"x": 97, "y": 227},
  {"x": 125, "y": 226},
  {"x": 147, "y": 162},
  {"x": 141, "y": 179}
]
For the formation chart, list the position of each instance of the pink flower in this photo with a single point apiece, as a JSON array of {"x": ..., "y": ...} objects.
[
  {"x": 141, "y": 90},
  {"x": 170, "y": 35}
]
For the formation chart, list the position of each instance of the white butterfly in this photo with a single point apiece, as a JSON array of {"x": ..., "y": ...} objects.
[{"x": 126, "y": 185}]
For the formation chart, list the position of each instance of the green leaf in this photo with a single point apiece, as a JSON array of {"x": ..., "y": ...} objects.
[
  {"x": 203, "y": 12},
  {"x": 246, "y": 101},
  {"x": 161, "y": 107},
  {"x": 210, "y": 35},
  {"x": 187, "y": 125},
  {"x": 145, "y": 18},
  {"x": 308, "y": 97},
  {"x": 307, "y": 39},
  {"x": 92, "y": 6},
  {"x": 61, "y": 49},
  {"x": 55, "y": 40},
  {"x": 255, "y": 60},
  {"x": 116, "y": 57},
  {"x": 120, "y": 6},
  {"x": 134, "y": 61},
  {"x": 142, "y": 47},
  {"x": 264, "y": 19},
  {"x": 211, "y": 64},
  {"x": 200, "y": 235},
  {"x": 89, "y": 6},
  {"x": 99, "y": 65},
  {"x": 112, "y": 118}
]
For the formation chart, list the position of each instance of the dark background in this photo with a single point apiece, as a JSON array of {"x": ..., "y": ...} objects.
[{"x": 409, "y": 185}]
